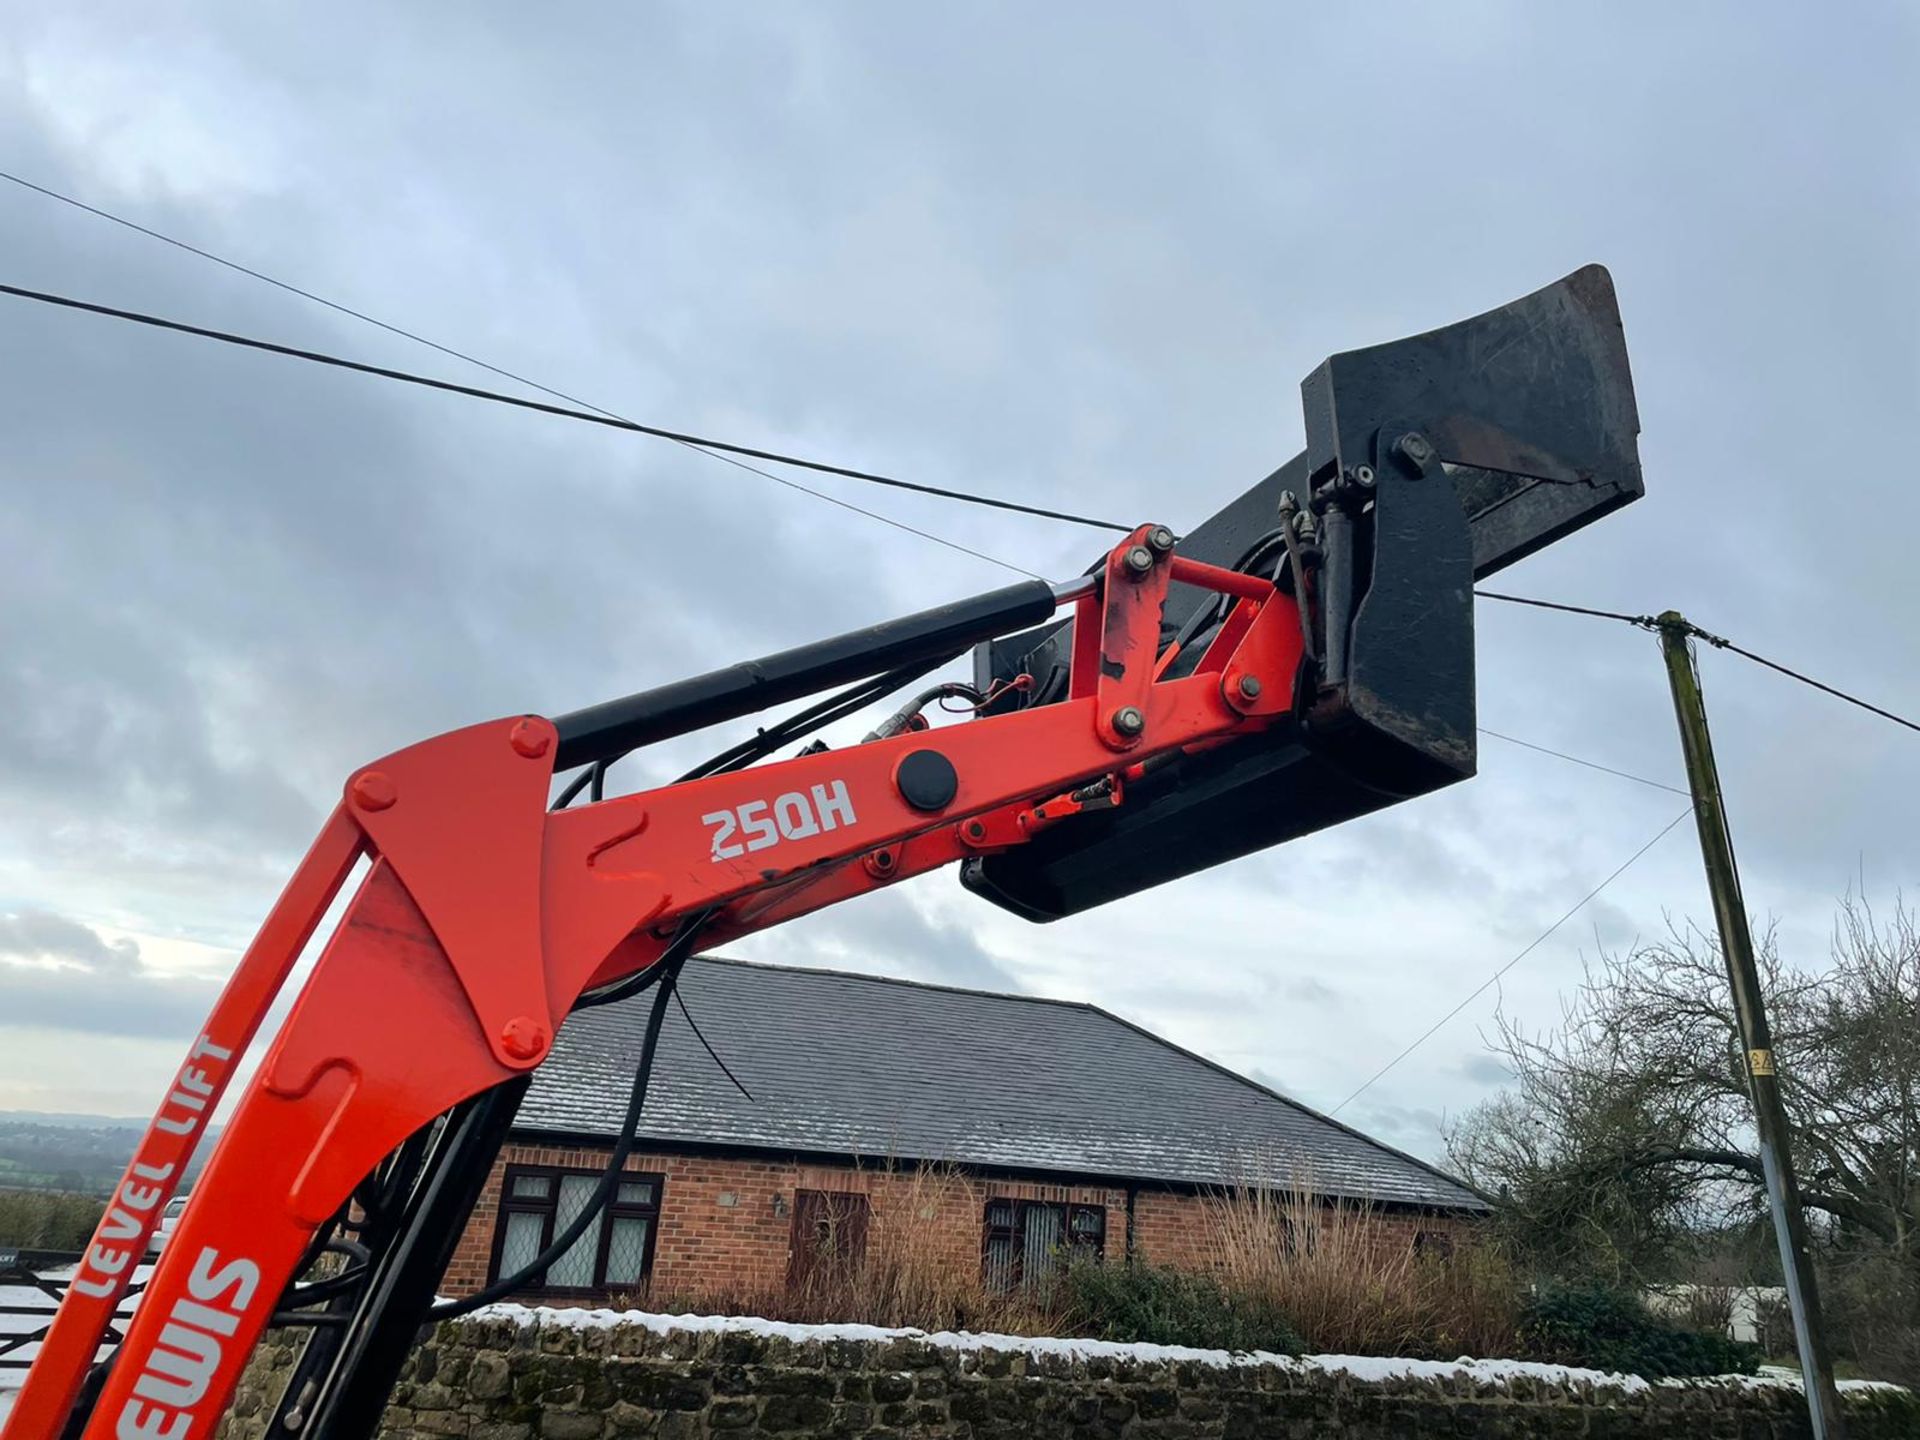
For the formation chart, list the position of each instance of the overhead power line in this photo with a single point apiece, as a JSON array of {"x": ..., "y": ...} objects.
[
  {"x": 501, "y": 371},
  {"x": 1589, "y": 764},
  {"x": 727, "y": 452},
  {"x": 293, "y": 289},
  {"x": 1494, "y": 978},
  {"x": 590, "y": 417},
  {"x": 1723, "y": 644},
  {"x": 1645, "y": 622},
  {"x": 1719, "y": 642}
]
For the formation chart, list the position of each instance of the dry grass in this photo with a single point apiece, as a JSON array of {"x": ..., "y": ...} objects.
[
  {"x": 1349, "y": 1283},
  {"x": 1353, "y": 1285},
  {"x": 48, "y": 1219},
  {"x": 910, "y": 1274}
]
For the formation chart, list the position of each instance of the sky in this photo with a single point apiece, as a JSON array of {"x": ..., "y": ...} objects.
[{"x": 1076, "y": 255}]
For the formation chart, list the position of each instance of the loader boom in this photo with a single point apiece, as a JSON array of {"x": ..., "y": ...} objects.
[{"x": 483, "y": 914}]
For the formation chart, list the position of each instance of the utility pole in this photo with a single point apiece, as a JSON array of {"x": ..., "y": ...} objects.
[{"x": 1763, "y": 1085}]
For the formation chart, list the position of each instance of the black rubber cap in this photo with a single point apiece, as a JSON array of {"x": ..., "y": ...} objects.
[{"x": 926, "y": 780}]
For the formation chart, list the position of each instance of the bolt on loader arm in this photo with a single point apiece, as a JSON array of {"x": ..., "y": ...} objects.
[{"x": 1189, "y": 673}]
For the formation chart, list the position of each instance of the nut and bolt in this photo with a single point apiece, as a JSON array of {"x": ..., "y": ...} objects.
[
  {"x": 529, "y": 738},
  {"x": 1160, "y": 540},
  {"x": 1129, "y": 720},
  {"x": 373, "y": 790},
  {"x": 976, "y": 830},
  {"x": 1363, "y": 476},
  {"x": 523, "y": 1038},
  {"x": 1139, "y": 560},
  {"x": 1250, "y": 687},
  {"x": 1289, "y": 502},
  {"x": 1416, "y": 448}
]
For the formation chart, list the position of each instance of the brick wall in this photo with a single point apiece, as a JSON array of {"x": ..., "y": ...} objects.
[
  {"x": 1171, "y": 1228},
  {"x": 726, "y": 1223}
]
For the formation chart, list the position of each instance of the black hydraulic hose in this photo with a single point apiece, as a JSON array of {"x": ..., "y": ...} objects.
[
  {"x": 838, "y": 706},
  {"x": 675, "y": 953},
  {"x": 602, "y": 731},
  {"x": 669, "y": 967},
  {"x": 315, "y": 1291}
]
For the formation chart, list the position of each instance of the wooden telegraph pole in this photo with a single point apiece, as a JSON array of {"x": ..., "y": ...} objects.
[{"x": 1763, "y": 1085}]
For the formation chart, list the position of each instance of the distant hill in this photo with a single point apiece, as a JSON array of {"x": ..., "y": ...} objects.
[
  {"x": 83, "y": 1153},
  {"x": 92, "y": 1122}
]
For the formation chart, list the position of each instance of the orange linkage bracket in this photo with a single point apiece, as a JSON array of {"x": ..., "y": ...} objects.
[{"x": 484, "y": 916}]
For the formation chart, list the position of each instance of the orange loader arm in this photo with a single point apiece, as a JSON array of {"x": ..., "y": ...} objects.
[{"x": 484, "y": 916}]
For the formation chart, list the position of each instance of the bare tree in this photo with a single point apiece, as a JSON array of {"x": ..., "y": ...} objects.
[{"x": 1627, "y": 1135}]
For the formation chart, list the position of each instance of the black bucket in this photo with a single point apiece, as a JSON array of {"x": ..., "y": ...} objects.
[{"x": 1523, "y": 429}]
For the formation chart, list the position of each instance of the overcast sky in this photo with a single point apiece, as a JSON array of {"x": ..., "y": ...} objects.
[{"x": 1079, "y": 255}]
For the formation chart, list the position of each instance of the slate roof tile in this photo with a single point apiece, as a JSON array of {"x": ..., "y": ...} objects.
[{"x": 862, "y": 1065}]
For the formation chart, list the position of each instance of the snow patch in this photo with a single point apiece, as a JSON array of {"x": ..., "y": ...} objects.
[{"x": 1370, "y": 1368}]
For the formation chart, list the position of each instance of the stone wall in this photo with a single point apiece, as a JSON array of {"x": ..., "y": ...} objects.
[{"x": 508, "y": 1379}]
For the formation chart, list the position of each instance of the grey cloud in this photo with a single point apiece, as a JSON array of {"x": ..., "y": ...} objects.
[
  {"x": 889, "y": 934},
  {"x": 1486, "y": 1070},
  {"x": 1310, "y": 991},
  {"x": 1260, "y": 1075},
  {"x": 36, "y": 935},
  {"x": 1085, "y": 269},
  {"x": 1412, "y": 1128},
  {"x": 59, "y": 974}
]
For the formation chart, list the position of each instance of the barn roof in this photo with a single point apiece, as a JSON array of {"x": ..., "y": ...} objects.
[{"x": 886, "y": 1069}]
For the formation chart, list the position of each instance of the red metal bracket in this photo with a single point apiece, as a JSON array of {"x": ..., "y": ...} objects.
[{"x": 1137, "y": 574}]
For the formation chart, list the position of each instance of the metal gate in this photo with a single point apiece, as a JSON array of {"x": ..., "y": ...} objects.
[{"x": 31, "y": 1289}]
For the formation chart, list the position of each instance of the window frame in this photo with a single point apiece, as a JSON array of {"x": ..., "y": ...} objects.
[
  {"x": 1016, "y": 1236},
  {"x": 549, "y": 1210}
]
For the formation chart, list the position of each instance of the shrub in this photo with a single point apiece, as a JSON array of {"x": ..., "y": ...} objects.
[
  {"x": 1872, "y": 1305},
  {"x": 1350, "y": 1282},
  {"x": 1606, "y": 1329},
  {"x": 48, "y": 1219},
  {"x": 1709, "y": 1309},
  {"x": 1171, "y": 1307},
  {"x": 1281, "y": 1272},
  {"x": 912, "y": 1270}
]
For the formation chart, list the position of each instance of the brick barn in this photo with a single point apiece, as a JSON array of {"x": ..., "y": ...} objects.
[{"x": 1056, "y": 1127}]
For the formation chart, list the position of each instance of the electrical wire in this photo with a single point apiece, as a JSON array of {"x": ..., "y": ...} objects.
[
  {"x": 712, "y": 1054},
  {"x": 1494, "y": 978},
  {"x": 589, "y": 417},
  {"x": 723, "y": 451},
  {"x": 1590, "y": 764},
  {"x": 1719, "y": 642},
  {"x": 1722, "y": 644},
  {"x": 861, "y": 510},
  {"x": 517, "y": 378},
  {"x": 1644, "y": 622}
]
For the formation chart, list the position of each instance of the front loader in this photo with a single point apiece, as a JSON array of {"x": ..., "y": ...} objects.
[{"x": 1300, "y": 658}]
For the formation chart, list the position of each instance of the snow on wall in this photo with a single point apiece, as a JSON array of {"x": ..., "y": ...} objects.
[{"x": 1359, "y": 1367}]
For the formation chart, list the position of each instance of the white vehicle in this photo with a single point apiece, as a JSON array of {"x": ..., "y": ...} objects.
[{"x": 169, "y": 1218}]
